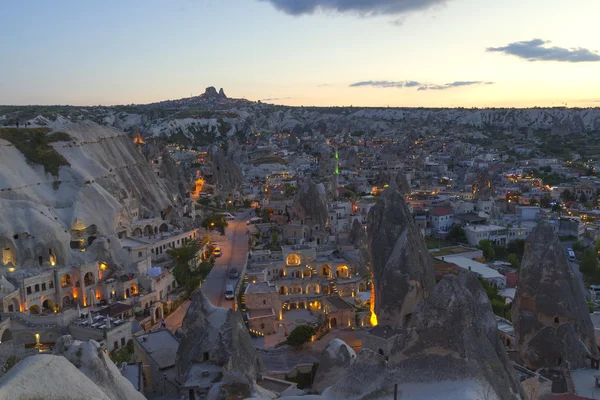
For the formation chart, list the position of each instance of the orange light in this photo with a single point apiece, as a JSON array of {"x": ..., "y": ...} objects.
[{"x": 373, "y": 315}]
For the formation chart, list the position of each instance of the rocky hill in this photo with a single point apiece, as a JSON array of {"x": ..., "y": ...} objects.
[
  {"x": 73, "y": 185},
  {"x": 76, "y": 370},
  {"x": 201, "y": 119}
]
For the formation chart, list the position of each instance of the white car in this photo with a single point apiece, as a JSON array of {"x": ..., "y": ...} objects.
[{"x": 228, "y": 216}]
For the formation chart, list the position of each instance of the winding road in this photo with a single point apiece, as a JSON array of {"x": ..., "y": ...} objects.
[{"x": 234, "y": 247}]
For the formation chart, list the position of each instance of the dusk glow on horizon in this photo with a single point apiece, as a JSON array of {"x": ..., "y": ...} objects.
[{"x": 421, "y": 53}]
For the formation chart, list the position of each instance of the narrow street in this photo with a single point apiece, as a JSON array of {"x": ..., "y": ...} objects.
[{"x": 234, "y": 247}]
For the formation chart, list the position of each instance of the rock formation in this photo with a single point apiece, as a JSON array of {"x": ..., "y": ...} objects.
[
  {"x": 402, "y": 183},
  {"x": 168, "y": 171},
  {"x": 450, "y": 349},
  {"x": 106, "y": 181},
  {"x": 357, "y": 233},
  {"x": 337, "y": 358},
  {"x": 483, "y": 189},
  {"x": 48, "y": 377},
  {"x": 310, "y": 206},
  {"x": 402, "y": 269},
  {"x": 352, "y": 159},
  {"x": 218, "y": 336},
  {"x": 227, "y": 174},
  {"x": 76, "y": 370},
  {"x": 94, "y": 363},
  {"x": 550, "y": 314},
  {"x": 211, "y": 93}
]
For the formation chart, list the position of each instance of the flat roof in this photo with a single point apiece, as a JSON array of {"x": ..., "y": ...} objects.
[
  {"x": 262, "y": 312},
  {"x": 486, "y": 228},
  {"x": 115, "y": 309},
  {"x": 481, "y": 269},
  {"x": 469, "y": 217},
  {"x": 384, "y": 332},
  {"x": 161, "y": 346},
  {"x": 445, "y": 251},
  {"x": 338, "y": 303},
  {"x": 131, "y": 242},
  {"x": 261, "y": 287},
  {"x": 132, "y": 373}
]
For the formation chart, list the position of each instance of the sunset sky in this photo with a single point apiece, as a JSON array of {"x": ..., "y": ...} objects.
[{"x": 438, "y": 53}]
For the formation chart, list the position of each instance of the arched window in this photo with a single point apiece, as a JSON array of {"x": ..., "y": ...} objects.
[{"x": 293, "y": 259}]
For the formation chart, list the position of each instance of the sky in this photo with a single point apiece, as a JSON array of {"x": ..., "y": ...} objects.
[{"x": 408, "y": 53}]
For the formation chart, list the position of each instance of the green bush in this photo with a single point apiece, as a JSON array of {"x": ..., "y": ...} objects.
[
  {"x": 34, "y": 143},
  {"x": 300, "y": 335}
]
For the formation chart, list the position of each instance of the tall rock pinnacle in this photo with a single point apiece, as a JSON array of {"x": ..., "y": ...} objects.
[
  {"x": 401, "y": 265},
  {"x": 550, "y": 314}
]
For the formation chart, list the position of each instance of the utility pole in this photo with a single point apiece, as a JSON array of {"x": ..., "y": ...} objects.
[{"x": 395, "y": 391}]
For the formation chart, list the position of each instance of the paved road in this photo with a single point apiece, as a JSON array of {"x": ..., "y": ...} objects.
[
  {"x": 575, "y": 268},
  {"x": 234, "y": 247}
]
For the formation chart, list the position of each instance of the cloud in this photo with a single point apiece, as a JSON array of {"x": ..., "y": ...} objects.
[
  {"x": 533, "y": 50},
  {"x": 386, "y": 84},
  {"x": 275, "y": 98},
  {"x": 419, "y": 85},
  {"x": 361, "y": 7}
]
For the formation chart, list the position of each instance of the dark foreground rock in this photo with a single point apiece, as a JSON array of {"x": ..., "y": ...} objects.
[
  {"x": 402, "y": 268},
  {"x": 550, "y": 314}
]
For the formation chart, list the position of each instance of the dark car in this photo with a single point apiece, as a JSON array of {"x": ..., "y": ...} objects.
[{"x": 233, "y": 273}]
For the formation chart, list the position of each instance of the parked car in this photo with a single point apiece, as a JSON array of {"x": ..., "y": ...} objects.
[
  {"x": 254, "y": 220},
  {"x": 229, "y": 293},
  {"x": 233, "y": 273},
  {"x": 229, "y": 216}
]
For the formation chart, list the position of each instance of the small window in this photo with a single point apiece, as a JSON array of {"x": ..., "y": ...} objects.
[
  {"x": 139, "y": 254},
  {"x": 264, "y": 302},
  {"x": 37, "y": 287},
  {"x": 28, "y": 289},
  {"x": 556, "y": 320},
  {"x": 115, "y": 345},
  {"x": 122, "y": 341},
  {"x": 51, "y": 284},
  {"x": 43, "y": 286},
  {"x": 262, "y": 326}
]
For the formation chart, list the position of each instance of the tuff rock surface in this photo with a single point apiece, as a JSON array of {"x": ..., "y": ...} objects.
[
  {"x": 226, "y": 173},
  {"x": 402, "y": 269},
  {"x": 483, "y": 188},
  {"x": 94, "y": 363},
  {"x": 311, "y": 206},
  {"x": 450, "y": 342},
  {"x": 107, "y": 180},
  {"x": 550, "y": 314},
  {"x": 220, "y": 333},
  {"x": 402, "y": 183},
  {"x": 336, "y": 359},
  {"x": 50, "y": 378}
]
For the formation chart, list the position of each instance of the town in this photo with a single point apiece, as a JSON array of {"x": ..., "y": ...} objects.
[{"x": 290, "y": 240}]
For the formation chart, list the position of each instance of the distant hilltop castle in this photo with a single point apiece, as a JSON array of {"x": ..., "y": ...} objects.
[{"x": 211, "y": 93}]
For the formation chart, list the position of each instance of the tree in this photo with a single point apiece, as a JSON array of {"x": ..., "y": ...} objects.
[
  {"x": 215, "y": 221},
  {"x": 545, "y": 200},
  {"x": 457, "y": 233},
  {"x": 534, "y": 202},
  {"x": 487, "y": 248},
  {"x": 566, "y": 195},
  {"x": 589, "y": 265},
  {"x": 497, "y": 302},
  {"x": 517, "y": 247},
  {"x": 514, "y": 260},
  {"x": 189, "y": 271},
  {"x": 300, "y": 335}
]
